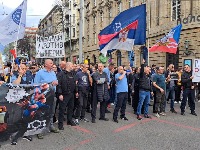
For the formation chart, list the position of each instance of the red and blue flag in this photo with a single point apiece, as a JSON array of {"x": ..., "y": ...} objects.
[
  {"x": 127, "y": 29},
  {"x": 169, "y": 43}
]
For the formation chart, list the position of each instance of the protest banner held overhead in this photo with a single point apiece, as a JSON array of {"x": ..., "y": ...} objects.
[
  {"x": 24, "y": 110},
  {"x": 196, "y": 70},
  {"x": 50, "y": 47}
]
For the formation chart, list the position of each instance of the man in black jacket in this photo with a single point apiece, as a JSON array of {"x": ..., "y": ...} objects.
[
  {"x": 100, "y": 93},
  {"x": 145, "y": 89},
  {"x": 188, "y": 90},
  {"x": 66, "y": 88}
]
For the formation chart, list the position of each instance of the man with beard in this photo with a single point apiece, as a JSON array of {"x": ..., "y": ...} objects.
[
  {"x": 66, "y": 88},
  {"x": 100, "y": 93},
  {"x": 188, "y": 90}
]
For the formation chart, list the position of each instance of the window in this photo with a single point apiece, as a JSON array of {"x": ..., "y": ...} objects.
[
  {"x": 176, "y": 9},
  {"x": 95, "y": 20},
  {"x": 119, "y": 7},
  {"x": 95, "y": 38},
  {"x": 88, "y": 38},
  {"x": 130, "y": 3},
  {"x": 101, "y": 15},
  {"x": 74, "y": 32},
  {"x": 74, "y": 18},
  {"x": 110, "y": 13},
  {"x": 74, "y": 4}
]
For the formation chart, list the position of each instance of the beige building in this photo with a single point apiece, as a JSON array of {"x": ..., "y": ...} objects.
[
  {"x": 162, "y": 15},
  {"x": 30, "y": 33},
  {"x": 71, "y": 14}
]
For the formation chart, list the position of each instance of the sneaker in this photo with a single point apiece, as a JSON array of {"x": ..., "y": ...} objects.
[
  {"x": 157, "y": 115},
  {"x": 175, "y": 102},
  {"x": 72, "y": 123},
  {"x": 28, "y": 138},
  {"x": 162, "y": 114},
  {"x": 124, "y": 118},
  {"x": 112, "y": 104},
  {"x": 179, "y": 102},
  {"x": 14, "y": 143},
  {"x": 40, "y": 136},
  {"x": 147, "y": 116},
  {"x": 76, "y": 121},
  {"x": 84, "y": 119},
  {"x": 115, "y": 120},
  {"x": 54, "y": 130},
  {"x": 139, "y": 117}
]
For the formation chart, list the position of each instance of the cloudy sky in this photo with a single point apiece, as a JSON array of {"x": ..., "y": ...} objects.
[{"x": 36, "y": 9}]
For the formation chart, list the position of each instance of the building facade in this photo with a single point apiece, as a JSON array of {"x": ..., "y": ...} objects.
[
  {"x": 162, "y": 19},
  {"x": 71, "y": 10},
  {"x": 30, "y": 33},
  {"x": 162, "y": 15}
]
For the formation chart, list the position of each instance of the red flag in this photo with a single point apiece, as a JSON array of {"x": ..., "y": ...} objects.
[
  {"x": 13, "y": 52},
  {"x": 169, "y": 43}
]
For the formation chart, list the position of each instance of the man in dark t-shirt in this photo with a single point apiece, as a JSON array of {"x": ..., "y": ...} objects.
[
  {"x": 159, "y": 82},
  {"x": 83, "y": 82}
]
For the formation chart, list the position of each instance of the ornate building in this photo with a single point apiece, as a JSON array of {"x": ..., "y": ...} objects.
[
  {"x": 71, "y": 20},
  {"x": 162, "y": 15},
  {"x": 162, "y": 19}
]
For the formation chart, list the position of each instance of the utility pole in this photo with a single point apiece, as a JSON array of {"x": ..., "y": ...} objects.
[{"x": 81, "y": 32}]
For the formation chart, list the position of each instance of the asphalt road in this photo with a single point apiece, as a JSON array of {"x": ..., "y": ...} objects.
[{"x": 171, "y": 132}]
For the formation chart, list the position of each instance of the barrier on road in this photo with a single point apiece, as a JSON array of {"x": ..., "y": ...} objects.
[{"x": 24, "y": 109}]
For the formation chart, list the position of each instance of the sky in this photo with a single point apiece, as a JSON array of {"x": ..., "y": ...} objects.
[{"x": 34, "y": 8}]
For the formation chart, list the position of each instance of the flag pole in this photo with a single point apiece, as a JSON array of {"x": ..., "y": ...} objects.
[
  {"x": 15, "y": 46},
  {"x": 149, "y": 28},
  {"x": 19, "y": 27}
]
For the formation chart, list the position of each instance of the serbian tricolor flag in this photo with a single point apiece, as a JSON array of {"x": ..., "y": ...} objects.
[
  {"x": 127, "y": 29},
  {"x": 168, "y": 43}
]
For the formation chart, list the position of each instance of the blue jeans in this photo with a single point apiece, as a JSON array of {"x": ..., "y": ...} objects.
[
  {"x": 170, "y": 93},
  {"x": 144, "y": 97}
]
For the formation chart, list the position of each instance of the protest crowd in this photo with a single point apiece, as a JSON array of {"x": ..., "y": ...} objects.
[{"x": 80, "y": 87}]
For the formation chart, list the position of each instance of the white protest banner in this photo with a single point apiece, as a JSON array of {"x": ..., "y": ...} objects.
[
  {"x": 50, "y": 47},
  {"x": 196, "y": 70},
  {"x": 15, "y": 94}
]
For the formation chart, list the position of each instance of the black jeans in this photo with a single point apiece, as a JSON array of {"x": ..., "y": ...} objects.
[
  {"x": 68, "y": 101},
  {"x": 190, "y": 95},
  {"x": 102, "y": 108},
  {"x": 178, "y": 93},
  {"x": 21, "y": 126},
  {"x": 121, "y": 104},
  {"x": 81, "y": 104}
]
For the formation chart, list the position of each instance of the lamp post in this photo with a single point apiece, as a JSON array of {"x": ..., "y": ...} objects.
[{"x": 81, "y": 32}]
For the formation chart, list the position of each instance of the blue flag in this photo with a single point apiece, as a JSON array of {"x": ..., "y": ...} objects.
[{"x": 127, "y": 29}]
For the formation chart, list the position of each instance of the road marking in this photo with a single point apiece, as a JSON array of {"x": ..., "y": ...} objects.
[
  {"x": 79, "y": 144},
  {"x": 178, "y": 125},
  {"x": 82, "y": 129},
  {"x": 132, "y": 125}
]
